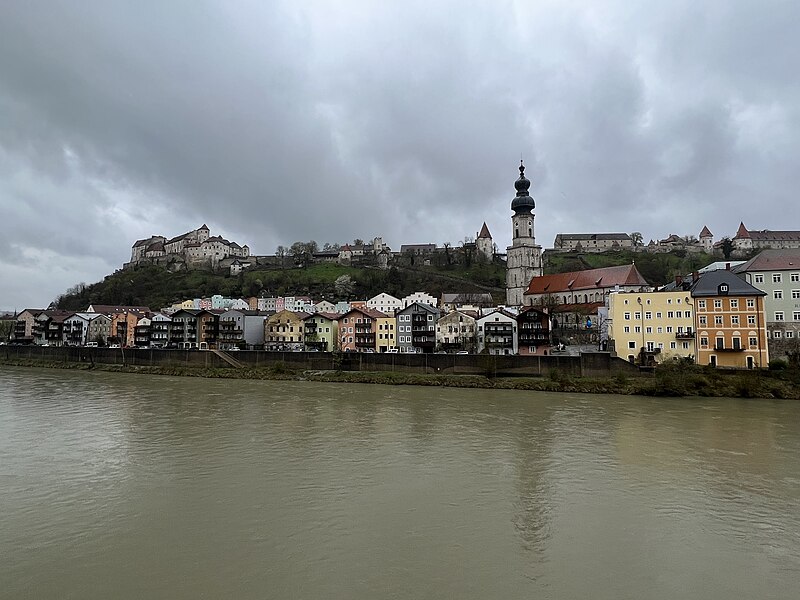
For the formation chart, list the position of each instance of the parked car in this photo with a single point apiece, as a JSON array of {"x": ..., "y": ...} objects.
[{"x": 462, "y": 352}]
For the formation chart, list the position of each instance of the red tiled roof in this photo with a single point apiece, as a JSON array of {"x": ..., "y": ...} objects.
[
  {"x": 706, "y": 232},
  {"x": 370, "y": 312},
  {"x": 606, "y": 277},
  {"x": 484, "y": 233},
  {"x": 742, "y": 231}
]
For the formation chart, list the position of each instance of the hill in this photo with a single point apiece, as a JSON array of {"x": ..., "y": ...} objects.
[
  {"x": 156, "y": 287},
  {"x": 657, "y": 269}
]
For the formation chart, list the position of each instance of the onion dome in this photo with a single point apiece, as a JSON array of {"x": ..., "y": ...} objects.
[{"x": 522, "y": 203}]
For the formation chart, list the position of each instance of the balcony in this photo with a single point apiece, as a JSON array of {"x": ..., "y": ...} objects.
[
  {"x": 685, "y": 335},
  {"x": 719, "y": 348}
]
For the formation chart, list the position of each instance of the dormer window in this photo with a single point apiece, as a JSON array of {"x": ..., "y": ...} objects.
[{"x": 723, "y": 288}]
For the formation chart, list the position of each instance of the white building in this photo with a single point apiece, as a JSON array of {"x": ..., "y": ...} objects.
[
  {"x": 419, "y": 298},
  {"x": 385, "y": 303}
]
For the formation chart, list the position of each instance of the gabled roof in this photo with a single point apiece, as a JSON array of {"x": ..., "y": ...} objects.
[
  {"x": 765, "y": 235},
  {"x": 369, "y": 312},
  {"x": 424, "y": 305},
  {"x": 706, "y": 232},
  {"x": 484, "y": 232},
  {"x": 500, "y": 311},
  {"x": 112, "y": 309},
  {"x": 772, "y": 260},
  {"x": 606, "y": 277},
  {"x": 708, "y": 285}
]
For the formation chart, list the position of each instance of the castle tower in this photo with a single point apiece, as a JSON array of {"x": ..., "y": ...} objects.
[
  {"x": 484, "y": 244},
  {"x": 524, "y": 257},
  {"x": 707, "y": 240}
]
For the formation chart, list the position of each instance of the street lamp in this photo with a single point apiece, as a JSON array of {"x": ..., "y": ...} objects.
[{"x": 641, "y": 316}]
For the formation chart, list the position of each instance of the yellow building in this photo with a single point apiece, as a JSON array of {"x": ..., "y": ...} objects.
[
  {"x": 660, "y": 322},
  {"x": 283, "y": 331},
  {"x": 385, "y": 338}
]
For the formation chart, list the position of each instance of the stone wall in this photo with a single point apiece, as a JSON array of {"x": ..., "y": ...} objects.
[{"x": 587, "y": 364}]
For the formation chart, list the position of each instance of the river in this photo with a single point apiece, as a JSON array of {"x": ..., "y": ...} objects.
[{"x": 132, "y": 486}]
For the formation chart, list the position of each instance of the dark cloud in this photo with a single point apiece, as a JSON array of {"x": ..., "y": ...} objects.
[{"x": 284, "y": 121}]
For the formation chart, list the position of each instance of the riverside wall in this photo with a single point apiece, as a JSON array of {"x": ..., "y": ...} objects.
[{"x": 592, "y": 364}]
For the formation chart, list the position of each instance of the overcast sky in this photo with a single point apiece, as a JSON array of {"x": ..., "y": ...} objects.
[{"x": 281, "y": 121}]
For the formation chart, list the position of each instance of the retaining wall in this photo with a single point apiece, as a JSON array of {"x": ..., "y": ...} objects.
[{"x": 587, "y": 364}]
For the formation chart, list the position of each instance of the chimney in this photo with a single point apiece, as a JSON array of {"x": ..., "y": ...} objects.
[
  {"x": 727, "y": 266},
  {"x": 678, "y": 281}
]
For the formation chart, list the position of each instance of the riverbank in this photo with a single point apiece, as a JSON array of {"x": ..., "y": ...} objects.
[{"x": 666, "y": 381}]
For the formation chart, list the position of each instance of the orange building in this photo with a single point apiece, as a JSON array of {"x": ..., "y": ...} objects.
[{"x": 730, "y": 321}]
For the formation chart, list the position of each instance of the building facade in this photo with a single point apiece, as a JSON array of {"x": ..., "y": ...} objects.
[
  {"x": 651, "y": 325},
  {"x": 497, "y": 333},
  {"x": 730, "y": 321},
  {"x": 456, "y": 332},
  {"x": 416, "y": 328}
]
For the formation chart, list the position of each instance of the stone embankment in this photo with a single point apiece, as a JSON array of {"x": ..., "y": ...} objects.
[{"x": 589, "y": 373}]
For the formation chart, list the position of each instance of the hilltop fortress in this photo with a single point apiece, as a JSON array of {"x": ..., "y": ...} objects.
[{"x": 192, "y": 249}]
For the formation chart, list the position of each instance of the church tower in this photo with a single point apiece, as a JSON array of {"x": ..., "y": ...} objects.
[{"x": 524, "y": 257}]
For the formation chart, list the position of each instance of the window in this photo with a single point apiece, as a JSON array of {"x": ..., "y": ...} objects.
[
  {"x": 777, "y": 294},
  {"x": 720, "y": 343},
  {"x": 703, "y": 321},
  {"x": 669, "y": 300},
  {"x": 627, "y": 316},
  {"x": 631, "y": 345},
  {"x": 759, "y": 278},
  {"x": 734, "y": 319},
  {"x": 734, "y": 303},
  {"x": 637, "y": 315},
  {"x": 777, "y": 334},
  {"x": 704, "y": 342},
  {"x": 669, "y": 329},
  {"x": 795, "y": 294},
  {"x": 796, "y": 315},
  {"x": 626, "y": 329},
  {"x": 789, "y": 333},
  {"x": 701, "y": 304},
  {"x": 794, "y": 277},
  {"x": 659, "y": 330},
  {"x": 687, "y": 314},
  {"x": 658, "y": 315},
  {"x": 648, "y": 315},
  {"x": 673, "y": 345},
  {"x": 718, "y": 320},
  {"x": 670, "y": 314},
  {"x": 648, "y": 329},
  {"x": 637, "y": 329},
  {"x": 751, "y": 320},
  {"x": 754, "y": 341},
  {"x": 685, "y": 345},
  {"x": 751, "y": 303},
  {"x": 779, "y": 315},
  {"x": 776, "y": 278},
  {"x": 717, "y": 303}
]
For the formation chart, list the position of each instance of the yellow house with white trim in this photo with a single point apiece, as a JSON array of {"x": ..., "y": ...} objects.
[{"x": 660, "y": 322}]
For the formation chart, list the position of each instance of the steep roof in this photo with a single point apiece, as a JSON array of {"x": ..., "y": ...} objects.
[
  {"x": 606, "y": 277},
  {"x": 706, "y": 232},
  {"x": 772, "y": 260},
  {"x": 484, "y": 233},
  {"x": 369, "y": 312},
  {"x": 742, "y": 231},
  {"x": 708, "y": 285}
]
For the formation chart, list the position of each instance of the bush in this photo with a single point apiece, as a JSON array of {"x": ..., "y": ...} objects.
[{"x": 778, "y": 364}]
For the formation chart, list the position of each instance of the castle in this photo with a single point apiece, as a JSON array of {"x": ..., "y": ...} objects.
[{"x": 190, "y": 250}]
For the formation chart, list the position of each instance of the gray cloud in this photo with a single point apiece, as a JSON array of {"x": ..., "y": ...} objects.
[{"x": 288, "y": 121}]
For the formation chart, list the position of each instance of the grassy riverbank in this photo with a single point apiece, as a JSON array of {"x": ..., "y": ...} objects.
[{"x": 666, "y": 381}]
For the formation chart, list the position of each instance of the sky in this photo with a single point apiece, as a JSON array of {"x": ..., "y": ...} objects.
[{"x": 274, "y": 122}]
